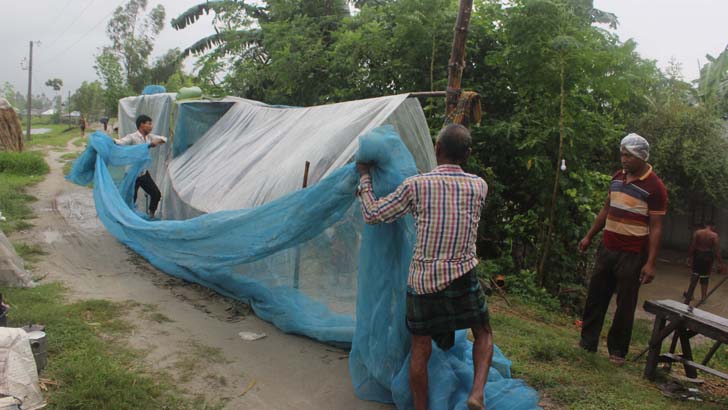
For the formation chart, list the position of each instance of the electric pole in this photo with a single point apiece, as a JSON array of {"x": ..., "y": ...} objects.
[{"x": 30, "y": 88}]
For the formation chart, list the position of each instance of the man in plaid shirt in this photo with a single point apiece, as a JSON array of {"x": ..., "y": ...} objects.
[{"x": 443, "y": 292}]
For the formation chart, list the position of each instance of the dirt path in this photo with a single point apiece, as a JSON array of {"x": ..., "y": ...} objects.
[
  {"x": 185, "y": 329},
  {"x": 673, "y": 278}
]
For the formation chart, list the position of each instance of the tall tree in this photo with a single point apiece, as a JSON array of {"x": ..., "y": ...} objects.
[
  {"x": 268, "y": 50},
  {"x": 132, "y": 35},
  {"x": 110, "y": 71},
  {"x": 54, "y": 83},
  {"x": 554, "y": 87},
  {"x": 89, "y": 99}
]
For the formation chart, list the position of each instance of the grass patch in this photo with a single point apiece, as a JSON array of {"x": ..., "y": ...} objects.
[
  {"x": 23, "y": 163},
  {"x": 58, "y": 136},
  {"x": 149, "y": 312},
  {"x": 17, "y": 172},
  {"x": 69, "y": 158},
  {"x": 30, "y": 253},
  {"x": 192, "y": 359},
  {"x": 69, "y": 155},
  {"x": 542, "y": 346},
  {"x": 160, "y": 318},
  {"x": 87, "y": 356}
]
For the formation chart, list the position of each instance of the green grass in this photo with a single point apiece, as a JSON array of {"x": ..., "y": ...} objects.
[
  {"x": 542, "y": 346},
  {"x": 58, "y": 136},
  {"x": 31, "y": 253},
  {"x": 69, "y": 157},
  {"x": 88, "y": 360},
  {"x": 17, "y": 172},
  {"x": 190, "y": 362},
  {"x": 149, "y": 312}
]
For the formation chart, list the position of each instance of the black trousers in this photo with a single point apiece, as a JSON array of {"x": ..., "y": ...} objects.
[
  {"x": 146, "y": 182},
  {"x": 613, "y": 271}
]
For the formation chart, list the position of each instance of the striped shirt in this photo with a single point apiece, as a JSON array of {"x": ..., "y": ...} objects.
[
  {"x": 630, "y": 206},
  {"x": 446, "y": 204}
]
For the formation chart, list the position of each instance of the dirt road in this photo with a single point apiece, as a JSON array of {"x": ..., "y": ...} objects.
[
  {"x": 184, "y": 329},
  {"x": 673, "y": 278}
]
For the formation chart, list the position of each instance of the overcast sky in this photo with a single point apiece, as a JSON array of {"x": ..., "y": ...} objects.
[{"x": 72, "y": 31}]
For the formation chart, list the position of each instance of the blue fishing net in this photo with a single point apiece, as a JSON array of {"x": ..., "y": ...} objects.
[
  {"x": 194, "y": 119},
  {"x": 210, "y": 249}
]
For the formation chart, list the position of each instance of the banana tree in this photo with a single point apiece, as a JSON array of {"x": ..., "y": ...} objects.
[
  {"x": 236, "y": 24},
  {"x": 713, "y": 81}
]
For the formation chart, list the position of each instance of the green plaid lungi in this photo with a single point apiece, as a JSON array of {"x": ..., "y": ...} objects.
[{"x": 459, "y": 306}]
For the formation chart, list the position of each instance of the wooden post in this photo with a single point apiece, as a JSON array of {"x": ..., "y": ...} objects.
[
  {"x": 30, "y": 93},
  {"x": 305, "y": 174},
  {"x": 654, "y": 347},
  {"x": 687, "y": 353},
  {"x": 297, "y": 263},
  {"x": 456, "y": 64}
]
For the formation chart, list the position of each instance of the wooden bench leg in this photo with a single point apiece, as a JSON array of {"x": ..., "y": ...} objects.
[
  {"x": 687, "y": 353},
  {"x": 711, "y": 353},
  {"x": 655, "y": 346}
]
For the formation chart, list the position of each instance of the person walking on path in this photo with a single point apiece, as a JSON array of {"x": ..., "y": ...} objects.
[
  {"x": 443, "y": 291},
  {"x": 632, "y": 222},
  {"x": 704, "y": 248},
  {"x": 82, "y": 124},
  {"x": 105, "y": 122}
]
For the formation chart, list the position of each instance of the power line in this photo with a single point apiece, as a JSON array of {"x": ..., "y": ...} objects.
[
  {"x": 103, "y": 19},
  {"x": 55, "y": 18},
  {"x": 73, "y": 23}
]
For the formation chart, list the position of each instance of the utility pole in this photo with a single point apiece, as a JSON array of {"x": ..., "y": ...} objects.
[
  {"x": 30, "y": 89},
  {"x": 457, "y": 56},
  {"x": 68, "y": 103}
]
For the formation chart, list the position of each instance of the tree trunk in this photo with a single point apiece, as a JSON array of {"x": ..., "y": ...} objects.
[
  {"x": 547, "y": 239},
  {"x": 457, "y": 57}
]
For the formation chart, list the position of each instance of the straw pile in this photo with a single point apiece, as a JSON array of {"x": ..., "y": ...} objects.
[{"x": 11, "y": 131}]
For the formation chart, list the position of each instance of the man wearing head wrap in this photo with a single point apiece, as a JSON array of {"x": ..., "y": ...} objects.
[{"x": 632, "y": 223}]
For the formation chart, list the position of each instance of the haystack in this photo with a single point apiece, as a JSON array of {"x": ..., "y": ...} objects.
[
  {"x": 11, "y": 131},
  {"x": 12, "y": 271}
]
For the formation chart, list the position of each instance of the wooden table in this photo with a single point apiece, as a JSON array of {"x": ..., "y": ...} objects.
[{"x": 672, "y": 316}]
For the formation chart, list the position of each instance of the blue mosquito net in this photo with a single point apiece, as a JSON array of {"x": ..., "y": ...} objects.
[{"x": 208, "y": 249}]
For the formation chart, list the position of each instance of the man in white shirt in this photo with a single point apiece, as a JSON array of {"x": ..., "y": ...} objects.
[{"x": 143, "y": 135}]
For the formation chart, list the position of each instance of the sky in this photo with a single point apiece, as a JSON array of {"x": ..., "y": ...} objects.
[{"x": 71, "y": 33}]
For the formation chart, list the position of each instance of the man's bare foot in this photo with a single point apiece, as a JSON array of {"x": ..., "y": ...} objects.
[
  {"x": 475, "y": 404},
  {"x": 616, "y": 360}
]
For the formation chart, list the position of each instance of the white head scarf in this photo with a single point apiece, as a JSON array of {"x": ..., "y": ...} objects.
[{"x": 636, "y": 145}]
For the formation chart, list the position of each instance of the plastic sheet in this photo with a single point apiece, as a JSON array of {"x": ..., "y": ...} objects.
[{"x": 154, "y": 89}]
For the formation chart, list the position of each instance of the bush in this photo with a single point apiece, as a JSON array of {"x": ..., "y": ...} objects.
[
  {"x": 522, "y": 283},
  {"x": 23, "y": 163}
]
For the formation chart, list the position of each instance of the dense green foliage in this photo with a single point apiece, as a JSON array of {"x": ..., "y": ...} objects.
[
  {"x": 555, "y": 84},
  {"x": 124, "y": 67},
  {"x": 22, "y": 163}
]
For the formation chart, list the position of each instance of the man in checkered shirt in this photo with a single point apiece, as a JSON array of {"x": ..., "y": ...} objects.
[{"x": 443, "y": 292}]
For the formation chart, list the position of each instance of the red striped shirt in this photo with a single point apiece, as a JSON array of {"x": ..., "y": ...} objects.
[
  {"x": 630, "y": 205},
  {"x": 446, "y": 204}
]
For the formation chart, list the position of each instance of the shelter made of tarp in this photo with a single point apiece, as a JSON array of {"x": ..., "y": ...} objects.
[{"x": 238, "y": 222}]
